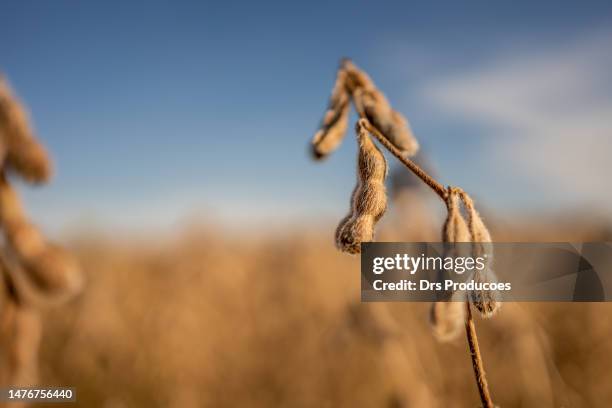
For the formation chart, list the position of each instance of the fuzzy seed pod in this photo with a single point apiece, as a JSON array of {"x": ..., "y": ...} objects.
[
  {"x": 401, "y": 134},
  {"x": 455, "y": 228},
  {"x": 369, "y": 199},
  {"x": 447, "y": 316},
  {"x": 54, "y": 271},
  {"x": 356, "y": 78},
  {"x": 335, "y": 121},
  {"x": 478, "y": 230},
  {"x": 373, "y": 105},
  {"x": 20, "y": 328},
  {"x": 51, "y": 270},
  {"x": 20, "y": 333},
  {"x": 486, "y": 302},
  {"x": 23, "y": 153}
]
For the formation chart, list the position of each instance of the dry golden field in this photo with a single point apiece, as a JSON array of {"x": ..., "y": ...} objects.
[{"x": 210, "y": 318}]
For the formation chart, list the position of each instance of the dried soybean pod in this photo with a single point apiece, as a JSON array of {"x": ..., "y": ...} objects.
[
  {"x": 478, "y": 230},
  {"x": 23, "y": 152},
  {"x": 372, "y": 104},
  {"x": 455, "y": 232},
  {"x": 487, "y": 302},
  {"x": 392, "y": 124},
  {"x": 455, "y": 227},
  {"x": 447, "y": 316},
  {"x": 335, "y": 121},
  {"x": 20, "y": 333},
  {"x": 369, "y": 201},
  {"x": 50, "y": 269},
  {"x": 356, "y": 78},
  {"x": 400, "y": 134}
]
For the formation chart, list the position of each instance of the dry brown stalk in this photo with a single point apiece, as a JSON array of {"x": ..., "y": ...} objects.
[
  {"x": 477, "y": 363},
  {"x": 29, "y": 263},
  {"x": 390, "y": 128}
]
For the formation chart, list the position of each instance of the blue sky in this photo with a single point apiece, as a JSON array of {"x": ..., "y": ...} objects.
[{"x": 157, "y": 110}]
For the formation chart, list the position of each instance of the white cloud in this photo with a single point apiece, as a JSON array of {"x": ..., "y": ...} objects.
[{"x": 550, "y": 111}]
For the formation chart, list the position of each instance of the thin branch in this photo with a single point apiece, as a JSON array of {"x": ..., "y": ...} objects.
[
  {"x": 479, "y": 372},
  {"x": 470, "y": 328},
  {"x": 412, "y": 166}
]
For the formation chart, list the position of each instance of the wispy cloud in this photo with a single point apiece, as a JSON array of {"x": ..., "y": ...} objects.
[{"x": 549, "y": 112}]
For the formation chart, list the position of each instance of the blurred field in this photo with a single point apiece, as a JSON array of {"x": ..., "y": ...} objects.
[{"x": 216, "y": 319}]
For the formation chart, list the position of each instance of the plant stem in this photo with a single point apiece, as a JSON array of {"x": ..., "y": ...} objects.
[
  {"x": 479, "y": 372},
  {"x": 470, "y": 328},
  {"x": 412, "y": 166}
]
